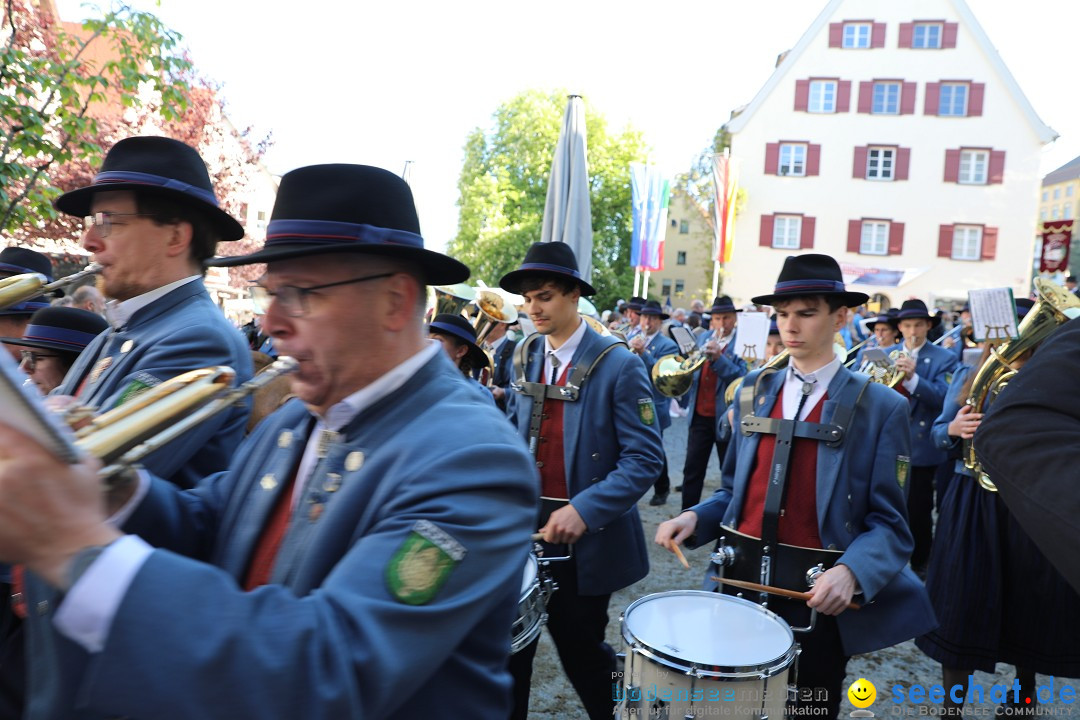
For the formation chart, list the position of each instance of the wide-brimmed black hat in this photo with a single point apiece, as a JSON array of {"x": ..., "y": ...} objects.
[
  {"x": 155, "y": 166},
  {"x": 547, "y": 258},
  {"x": 652, "y": 307},
  {"x": 811, "y": 274},
  {"x": 459, "y": 327},
  {"x": 774, "y": 329},
  {"x": 723, "y": 304},
  {"x": 339, "y": 208},
  {"x": 60, "y": 328},
  {"x": 635, "y": 303},
  {"x": 1023, "y": 307},
  {"x": 19, "y": 261},
  {"x": 888, "y": 317},
  {"x": 916, "y": 310}
]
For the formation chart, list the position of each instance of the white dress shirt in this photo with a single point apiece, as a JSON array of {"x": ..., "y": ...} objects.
[
  {"x": 119, "y": 312},
  {"x": 565, "y": 353},
  {"x": 913, "y": 383},
  {"x": 793, "y": 387}
]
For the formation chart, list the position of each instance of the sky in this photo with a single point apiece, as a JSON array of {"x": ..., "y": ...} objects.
[{"x": 383, "y": 83}]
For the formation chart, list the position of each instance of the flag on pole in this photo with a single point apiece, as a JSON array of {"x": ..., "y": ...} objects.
[
  {"x": 726, "y": 185},
  {"x": 649, "y": 197}
]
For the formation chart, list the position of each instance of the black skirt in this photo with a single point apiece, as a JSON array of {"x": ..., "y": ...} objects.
[{"x": 996, "y": 596}]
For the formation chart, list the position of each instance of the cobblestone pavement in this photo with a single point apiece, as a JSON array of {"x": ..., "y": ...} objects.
[{"x": 553, "y": 697}]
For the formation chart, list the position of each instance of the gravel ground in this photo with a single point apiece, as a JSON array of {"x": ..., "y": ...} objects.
[{"x": 553, "y": 697}]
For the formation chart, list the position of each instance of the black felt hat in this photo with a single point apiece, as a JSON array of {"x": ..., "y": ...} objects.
[
  {"x": 722, "y": 304},
  {"x": 459, "y": 327},
  {"x": 888, "y": 317},
  {"x": 339, "y": 208},
  {"x": 547, "y": 258},
  {"x": 916, "y": 310},
  {"x": 636, "y": 303},
  {"x": 155, "y": 166},
  {"x": 1023, "y": 307},
  {"x": 60, "y": 328},
  {"x": 652, "y": 307},
  {"x": 811, "y": 274},
  {"x": 19, "y": 261}
]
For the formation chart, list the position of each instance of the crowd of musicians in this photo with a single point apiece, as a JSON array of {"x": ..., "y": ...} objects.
[{"x": 358, "y": 552}]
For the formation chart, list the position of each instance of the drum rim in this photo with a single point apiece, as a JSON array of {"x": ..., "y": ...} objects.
[{"x": 767, "y": 668}]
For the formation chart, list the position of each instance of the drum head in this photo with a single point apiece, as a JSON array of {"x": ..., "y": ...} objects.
[
  {"x": 708, "y": 629},
  {"x": 528, "y": 578}
]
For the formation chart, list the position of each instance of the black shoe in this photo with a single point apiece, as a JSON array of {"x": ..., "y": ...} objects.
[
  {"x": 658, "y": 499},
  {"x": 678, "y": 488}
]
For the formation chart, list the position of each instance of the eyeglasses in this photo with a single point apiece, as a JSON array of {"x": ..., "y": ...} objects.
[
  {"x": 103, "y": 221},
  {"x": 292, "y": 300},
  {"x": 30, "y": 359}
]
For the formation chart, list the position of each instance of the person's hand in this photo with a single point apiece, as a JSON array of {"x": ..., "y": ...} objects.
[
  {"x": 49, "y": 510},
  {"x": 637, "y": 344},
  {"x": 907, "y": 365},
  {"x": 832, "y": 591},
  {"x": 712, "y": 349},
  {"x": 965, "y": 423},
  {"x": 59, "y": 403},
  {"x": 675, "y": 531},
  {"x": 948, "y": 343},
  {"x": 565, "y": 526},
  {"x": 498, "y": 393}
]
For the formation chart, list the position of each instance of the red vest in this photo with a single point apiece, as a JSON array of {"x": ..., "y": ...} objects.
[
  {"x": 798, "y": 523},
  {"x": 705, "y": 403},
  {"x": 549, "y": 449},
  {"x": 266, "y": 550}
]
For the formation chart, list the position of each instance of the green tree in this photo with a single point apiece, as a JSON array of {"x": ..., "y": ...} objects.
[{"x": 503, "y": 188}]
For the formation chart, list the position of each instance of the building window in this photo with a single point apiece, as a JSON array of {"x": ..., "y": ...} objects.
[
  {"x": 880, "y": 163},
  {"x": 679, "y": 287},
  {"x": 680, "y": 258},
  {"x": 674, "y": 222},
  {"x": 1054, "y": 212},
  {"x": 684, "y": 227},
  {"x": 926, "y": 35},
  {"x": 953, "y": 99},
  {"x": 1045, "y": 196},
  {"x": 1068, "y": 215},
  {"x": 875, "y": 238},
  {"x": 1057, "y": 193},
  {"x": 1042, "y": 215},
  {"x": 856, "y": 35},
  {"x": 792, "y": 160},
  {"x": 822, "y": 96},
  {"x": 787, "y": 231},
  {"x": 1068, "y": 190},
  {"x": 886, "y": 98},
  {"x": 967, "y": 242},
  {"x": 665, "y": 287},
  {"x": 261, "y": 216},
  {"x": 973, "y": 165}
]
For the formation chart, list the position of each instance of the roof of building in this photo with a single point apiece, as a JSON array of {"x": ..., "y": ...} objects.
[{"x": 1068, "y": 171}]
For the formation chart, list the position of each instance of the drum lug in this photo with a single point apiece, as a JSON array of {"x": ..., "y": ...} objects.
[
  {"x": 724, "y": 555},
  {"x": 814, "y": 573}
]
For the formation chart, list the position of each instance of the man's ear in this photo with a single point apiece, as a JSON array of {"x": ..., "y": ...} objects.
[{"x": 180, "y": 239}]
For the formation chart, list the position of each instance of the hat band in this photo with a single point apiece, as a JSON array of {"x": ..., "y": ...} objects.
[
  {"x": 453, "y": 330},
  {"x": 77, "y": 339},
  {"x": 22, "y": 270},
  {"x": 789, "y": 287},
  {"x": 908, "y": 314},
  {"x": 124, "y": 176},
  {"x": 28, "y": 306},
  {"x": 721, "y": 309},
  {"x": 279, "y": 232},
  {"x": 562, "y": 269}
]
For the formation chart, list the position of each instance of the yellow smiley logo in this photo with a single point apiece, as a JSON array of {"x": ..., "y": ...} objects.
[{"x": 862, "y": 693}]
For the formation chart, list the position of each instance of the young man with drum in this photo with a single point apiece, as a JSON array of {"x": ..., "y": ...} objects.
[{"x": 820, "y": 459}]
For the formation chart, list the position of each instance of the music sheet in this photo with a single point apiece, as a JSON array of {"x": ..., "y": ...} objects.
[
  {"x": 993, "y": 314},
  {"x": 23, "y": 408},
  {"x": 752, "y": 336}
]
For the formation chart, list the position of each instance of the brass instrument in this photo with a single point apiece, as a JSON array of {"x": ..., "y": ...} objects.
[
  {"x": 779, "y": 361},
  {"x": 20, "y": 288},
  {"x": 672, "y": 375},
  {"x": 449, "y": 299},
  {"x": 882, "y": 372},
  {"x": 492, "y": 308},
  {"x": 1055, "y": 306}
]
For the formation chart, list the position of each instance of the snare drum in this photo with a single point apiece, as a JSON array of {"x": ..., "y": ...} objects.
[
  {"x": 690, "y": 650},
  {"x": 535, "y": 589}
]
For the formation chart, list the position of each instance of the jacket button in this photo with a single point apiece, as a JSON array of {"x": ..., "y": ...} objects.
[
  {"x": 922, "y": 423},
  {"x": 43, "y": 607},
  {"x": 849, "y": 497},
  {"x": 832, "y": 546},
  {"x": 539, "y": 463},
  {"x": 596, "y": 456},
  {"x": 596, "y": 480},
  {"x": 848, "y": 527}
]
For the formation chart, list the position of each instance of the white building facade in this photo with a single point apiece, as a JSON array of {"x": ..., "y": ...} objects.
[{"x": 892, "y": 137}]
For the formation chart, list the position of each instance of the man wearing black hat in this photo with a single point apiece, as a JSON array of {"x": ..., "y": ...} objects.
[
  {"x": 706, "y": 398},
  {"x": 370, "y": 533},
  {"x": 584, "y": 404},
  {"x": 20, "y": 261},
  {"x": 819, "y": 460},
  {"x": 886, "y": 332},
  {"x": 458, "y": 339},
  {"x": 632, "y": 316},
  {"x": 52, "y": 342},
  {"x": 651, "y": 345}
]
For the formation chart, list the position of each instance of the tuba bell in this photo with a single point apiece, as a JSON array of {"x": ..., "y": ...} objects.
[
  {"x": 449, "y": 299},
  {"x": 20, "y": 288}
]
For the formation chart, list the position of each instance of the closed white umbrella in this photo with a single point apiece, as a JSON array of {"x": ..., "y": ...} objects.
[{"x": 567, "y": 212}]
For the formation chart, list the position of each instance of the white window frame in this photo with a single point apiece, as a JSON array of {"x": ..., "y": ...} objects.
[
  {"x": 791, "y": 161},
  {"x": 857, "y": 36},
  {"x": 974, "y": 168},
  {"x": 929, "y": 40},
  {"x": 1068, "y": 214},
  {"x": 787, "y": 232},
  {"x": 680, "y": 287},
  {"x": 891, "y": 88},
  {"x": 967, "y": 242},
  {"x": 680, "y": 257},
  {"x": 874, "y": 238},
  {"x": 1042, "y": 215},
  {"x": 1054, "y": 212},
  {"x": 952, "y": 87},
  {"x": 1057, "y": 193},
  {"x": 1068, "y": 190},
  {"x": 1045, "y": 195},
  {"x": 822, "y": 97},
  {"x": 881, "y": 164}
]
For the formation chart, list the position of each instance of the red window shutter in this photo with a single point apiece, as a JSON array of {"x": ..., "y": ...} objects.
[
  {"x": 854, "y": 235},
  {"x": 952, "y": 166},
  {"x": 806, "y": 235},
  {"x": 933, "y": 99},
  {"x": 903, "y": 162},
  {"x": 858, "y": 170},
  {"x": 813, "y": 159},
  {"x": 766, "y": 231},
  {"x": 802, "y": 95},
  {"x": 907, "y": 98},
  {"x": 772, "y": 158},
  {"x": 996, "y": 172},
  {"x": 975, "y": 99},
  {"x": 896, "y": 238},
  {"x": 907, "y": 30},
  {"x": 877, "y": 35},
  {"x": 944, "y": 242},
  {"x": 836, "y": 35},
  {"x": 843, "y": 96},
  {"x": 989, "y": 243},
  {"x": 866, "y": 96},
  {"x": 948, "y": 35}
]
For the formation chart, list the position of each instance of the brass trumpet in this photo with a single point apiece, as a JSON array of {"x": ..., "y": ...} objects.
[{"x": 20, "y": 288}]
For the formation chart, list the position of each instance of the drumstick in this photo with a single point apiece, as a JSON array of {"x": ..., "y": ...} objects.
[
  {"x": 774, "y": 590},
  {"x": 537, "y": 536},
  {"x": 678, "y": 553}
]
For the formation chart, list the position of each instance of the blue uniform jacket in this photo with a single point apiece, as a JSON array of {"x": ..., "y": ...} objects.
[
  {"x": 728, "y": 368},
  {"x": 181, "y": 331},
  {"x": 934, "y": 366},
  {"x": 657, "y": 348},
  {"x": 504, "y": 364},
  {"x": 328, "y": 639},
  {"x": 939, "y": 434},
  {"x": 861, "y": 511},
  {"x": 613, "y": 455}
]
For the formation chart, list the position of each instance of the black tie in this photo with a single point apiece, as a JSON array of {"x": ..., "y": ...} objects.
[
  {"x": 554, "y": 369},
  {"x": 807, "y": 388}
]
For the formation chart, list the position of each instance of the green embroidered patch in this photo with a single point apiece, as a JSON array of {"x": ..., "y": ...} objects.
[
  {"x": 646, "y": 411},
  {"x": 133, "y": 390},
  {"x": 903, "y": 469},
  {"x": 422, "y": 564}
]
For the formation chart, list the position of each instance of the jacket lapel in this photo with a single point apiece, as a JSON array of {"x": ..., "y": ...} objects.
[
  {"x": 748, "y": 446},
  {"x": 829, "y": 458},
  {"x": 572, "y": 411}
]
